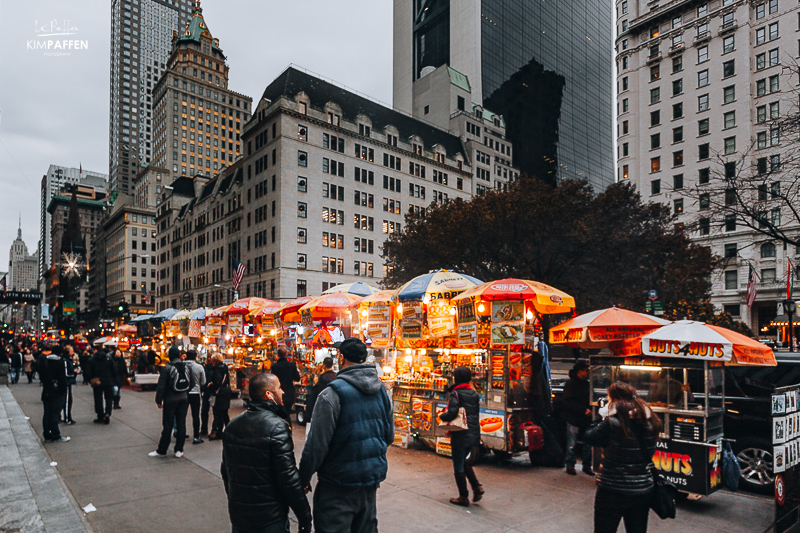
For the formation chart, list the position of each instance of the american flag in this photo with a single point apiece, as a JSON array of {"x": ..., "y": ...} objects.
[
  {"x": 4, "y": 285},
  {"x": 789, "y": 280},
  {"x": 751, "y": 287},
  {"x": 238, "y": 272},
  {"x": 146, "y": 293}
]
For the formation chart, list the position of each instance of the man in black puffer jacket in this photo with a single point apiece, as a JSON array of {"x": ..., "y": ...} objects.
[{"x": 258, "y": 465}]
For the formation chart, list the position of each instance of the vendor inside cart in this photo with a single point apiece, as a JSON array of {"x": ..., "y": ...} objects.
[{"x": 667, "y": 390}]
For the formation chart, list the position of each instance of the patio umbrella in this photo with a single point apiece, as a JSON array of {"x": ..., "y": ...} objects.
[
  {"x": 384, "y": 297},
  {"x": 357, "y": 288},
  {"x": 436, "y": 285},
  {"x": 141, "y": 318},
  {"x": 289, "y": 310},
  {"x": 604, "y": 327},
  {"x": 698, "y": 340},
  {"x": 101, "y": 340},
  {"x": 247, "y": 306},
  {"x": 545, "y": 299},
  {"x": 127, "y": 329},
  {"x": 330, "y": 306},
  {"x": 200, "y": 314},
  {"x": 166, "y": 314},
  {"x": 183, "y": 314},
  {"x": 218, "y": 312}
]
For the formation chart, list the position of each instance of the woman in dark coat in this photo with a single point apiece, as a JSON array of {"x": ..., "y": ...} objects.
[
  {"x": 625, "y": 481},
  {"x": 461, "y": 442},
  {"x": 220, "y": 386},
  {"x": 122, "y": 373}
]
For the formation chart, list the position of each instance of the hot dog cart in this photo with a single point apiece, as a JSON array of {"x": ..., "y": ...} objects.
[{"x": 679, "y": 370}]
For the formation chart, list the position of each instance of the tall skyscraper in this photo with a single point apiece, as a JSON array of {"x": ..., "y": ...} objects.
[
  {"x": 141, "y": 41},
  {"x": 22, "y": 267},
  {"x": 57, "y": 179},
  {"x": 197, "y": 120},
  {"x": 704, "y": 90},
  {"x": 545, "y": 69}
]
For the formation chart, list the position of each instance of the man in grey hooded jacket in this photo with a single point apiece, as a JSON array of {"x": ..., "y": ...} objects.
[{"x": 353, "y": 427}]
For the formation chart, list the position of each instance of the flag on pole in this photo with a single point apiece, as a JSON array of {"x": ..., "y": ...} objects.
[
  {"x": 238, "y": 272},
  {"x": 3, "y": 284},
  {"x": 751, "y": 287},
  {"x": 146, "y": 293},
  {"x": 789, "y": 280}
]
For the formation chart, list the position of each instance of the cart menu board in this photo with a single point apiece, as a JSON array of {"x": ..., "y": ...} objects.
[
  {"x": 467, "y": 334},
  {"x": 422, "y": 416},
  {"x": 691, "y": 466},
  {"x": 440, "y": 322},
  {"x": 214, "y": 327},
  {"x": 508, "y": 323},
  {"x": 786, "y": 457},
  {"x": 235, "y": 325},
  {"x": 195, "y": 328},
  {"x": 412, "y": 321},
  {"x": 498, "y": 370},
  {"x": 173, "y": 328},
  {"x": 492, "y": 422}
]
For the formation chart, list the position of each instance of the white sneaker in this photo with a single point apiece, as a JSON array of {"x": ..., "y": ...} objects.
[
  {"x": 156, "y": 454},
  {"x": 178, "y": 454}
]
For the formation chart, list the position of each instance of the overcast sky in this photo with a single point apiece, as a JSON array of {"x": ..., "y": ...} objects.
[{"x": 54, "y": 109}]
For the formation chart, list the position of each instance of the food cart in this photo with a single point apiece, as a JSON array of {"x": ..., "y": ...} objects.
[
  {"x": 679, "y": 370},
  {"x": 500, "y": 322}
]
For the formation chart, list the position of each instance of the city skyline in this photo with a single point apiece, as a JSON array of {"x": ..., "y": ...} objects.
[{"x": 36, "y": 114}]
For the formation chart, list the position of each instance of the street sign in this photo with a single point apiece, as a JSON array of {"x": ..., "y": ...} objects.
[
  {"x": 658, "y": 308},
  {"x": 648, "y": 306},
  {"x": 652, "y": 294},
  {"x": 186, "y": 299},
  {"x": 68, "y": 308},
  {"x": 45, "y": 311}
]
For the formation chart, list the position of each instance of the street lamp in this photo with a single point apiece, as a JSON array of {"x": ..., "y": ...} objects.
[
  {"x": 235, "y": 293},
  {"x": 790, "y": 306}
]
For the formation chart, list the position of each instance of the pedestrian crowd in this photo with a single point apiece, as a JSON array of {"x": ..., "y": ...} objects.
[{"x": 350, "y": 425}]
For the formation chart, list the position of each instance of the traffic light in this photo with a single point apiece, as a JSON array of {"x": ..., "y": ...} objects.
[{"x": 121, "y": 306}]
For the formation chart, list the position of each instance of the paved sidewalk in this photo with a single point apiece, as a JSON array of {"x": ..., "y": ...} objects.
[
  {"x": 33, "y": 497},
  {"x": 108, "y": 467}
]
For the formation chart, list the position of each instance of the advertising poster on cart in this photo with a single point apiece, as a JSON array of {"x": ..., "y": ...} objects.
[
  {"x": 492, "y": 422},
  {"x": 508, "y": 323}
]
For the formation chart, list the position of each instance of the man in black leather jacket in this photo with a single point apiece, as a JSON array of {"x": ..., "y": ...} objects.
[{"x": 258, "y": 465}]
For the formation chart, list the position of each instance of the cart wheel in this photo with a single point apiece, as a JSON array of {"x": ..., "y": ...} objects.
[
  {"x": 475, "y": 455},
  {"x": 503, "y": 456},
  {"x": 300, "y": 415}
]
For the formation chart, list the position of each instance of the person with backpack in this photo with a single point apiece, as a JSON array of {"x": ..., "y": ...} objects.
[
  {"x": 172, "y": 396},
  {"x": 220, "y": 387},
  {"x": 461, "y": 442}
]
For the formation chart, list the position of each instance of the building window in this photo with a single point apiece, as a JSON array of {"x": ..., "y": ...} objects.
[
  {"x": 655, "y": 118},
  {"x": 655, "y": 95},
  {"x": 301, "y": 288},
  {"x": 768, "y": 275},
  {"x": 703, "y": 151},
  {"x": 702, "y": 78},
  {"x": 768, "y": 251},
  {"x": 302, "y": 133},
  {"x": 302, "y": 184},
  {"x": 704, "y": 226},
  {"x": 677, "y": 181},
  {"x": 729, "y": 94},
  {"x": 731, "y": 279},
  {"x": 730, "y": 222},
  {"x": 655, "y": 141},
  {"x": 704, "y": 201},
  {"x": 302, "y": 210},
  {"x": 677, "y": 135},
  {"x": 729, "y": 119},
  {"x": 728, "y": 44},
  {"x": 654, "y": 73},
  {"x": 702, "y": 54},
  {"x": 677, "y": 87},
  {"x": 702, "y": 10},
  {"x": 655, "y": 164},
  {"x": 655, "y": 187},
  {"x": 703, "y": 175},
  {"x": 731, "y": 250},
  {"x": 678, "y": 206},
  {"x": 729, "y": 68},
  {"x": 302, "y": 159},
  {"x": 677, "y": 64},
  {"x": 732, "y": 309},
  {"x": 702, "y": 127},
  {"x": 702, "y": 102},
  {"x": 677, "y": 158},
  {"x": 677, "y": 110},
  {"x": 302, "y": 235}
]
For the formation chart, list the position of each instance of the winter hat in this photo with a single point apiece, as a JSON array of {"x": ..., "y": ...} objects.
[
  {"x": 174, "y": 353},
  {"x": 353, "y": 350}
]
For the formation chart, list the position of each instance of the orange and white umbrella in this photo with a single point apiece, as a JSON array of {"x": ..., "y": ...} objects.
[
  {"x": 330, "y": 306},
  {"x": 687, "y": 339},
  {"x": 247, "y": 306},
  {"x": 289, "y": 311},
  {"x": 545, "y": 299},
  {"x": 604, "y": 328},
  {"x": 127, "y": 329}
]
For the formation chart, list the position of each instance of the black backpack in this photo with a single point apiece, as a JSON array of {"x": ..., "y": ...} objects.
[{"x": 181, "y": 380}]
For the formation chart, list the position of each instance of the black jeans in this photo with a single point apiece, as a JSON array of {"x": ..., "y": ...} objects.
[
  {"x": 68, "y": 405},
  {"x": 610, "y": 507},
  {"x": 194, "y": 403},
  {"x": 101, "y": 393},
  {"x": 350, "y": 510},
  {"x": 204, "y": 410},
  {"x": 52, "y": 409},
  {"x": 173, "y": 411},
  {"x": 272, "y": 528},
  {"x": 221, "y": 419}
]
